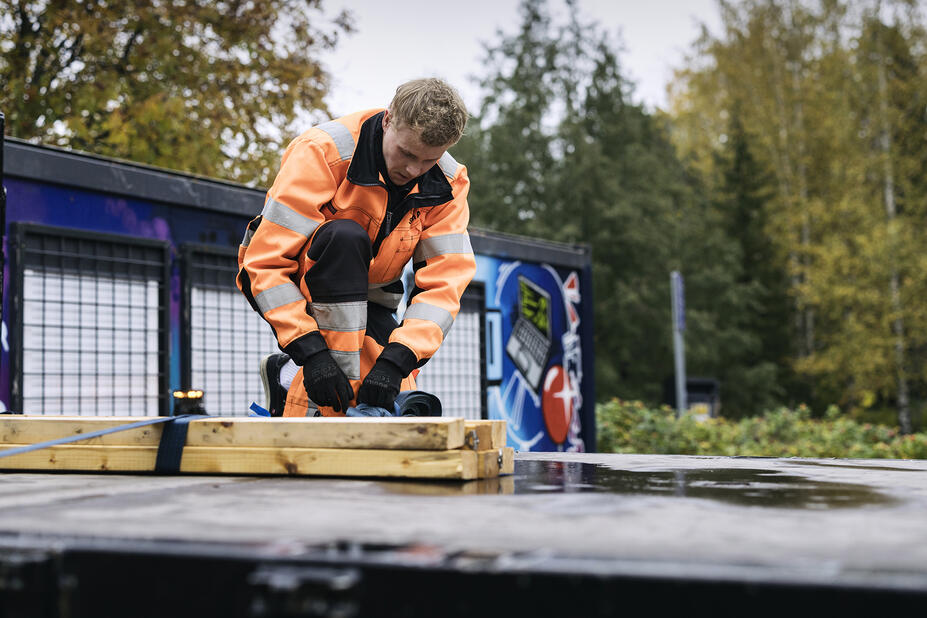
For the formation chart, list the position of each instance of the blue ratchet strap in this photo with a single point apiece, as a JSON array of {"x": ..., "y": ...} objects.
[
  {"x": 170, "y": 450},
  {"x": 169, "y": 453}
]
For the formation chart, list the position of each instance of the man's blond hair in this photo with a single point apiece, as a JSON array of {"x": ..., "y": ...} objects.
[{"x": 433, "y": 108}]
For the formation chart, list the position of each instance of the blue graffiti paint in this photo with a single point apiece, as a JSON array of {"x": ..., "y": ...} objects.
[{"x": 543, "y": 410}]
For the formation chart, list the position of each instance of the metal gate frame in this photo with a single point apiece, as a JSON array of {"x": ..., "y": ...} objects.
[
  {"x": 476, "y": 290},
  {"x": 19, "y": 233},
  {"x": 189, "y": 273}
]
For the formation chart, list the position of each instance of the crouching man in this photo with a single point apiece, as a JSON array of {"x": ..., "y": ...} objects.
[{"x": 356, "y": 199}]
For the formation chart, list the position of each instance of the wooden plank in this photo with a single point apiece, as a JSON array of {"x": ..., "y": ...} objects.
[
  {"x": 450, "y": 464},
  {"x": 477, "y": 435},
  {"x": 24, "y": 429},
  {"x": 508, "y": 461},
  {"x": 499, "y": 434},
  {"x": 492, "y": 434},
  {"x": 495, "y": 462},
  {"x": 488, "y": 464},
  {"x": 408, "y": 433}
]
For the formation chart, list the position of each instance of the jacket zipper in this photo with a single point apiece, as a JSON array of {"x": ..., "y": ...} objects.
[
  {"x": 401, "y": 209},
  {"x": 381, "y": 233}
]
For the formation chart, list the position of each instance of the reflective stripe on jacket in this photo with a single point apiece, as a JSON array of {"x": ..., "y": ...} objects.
[{"x": 329, "y": 172}]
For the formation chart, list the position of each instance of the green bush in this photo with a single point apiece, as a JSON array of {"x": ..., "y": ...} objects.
[{"x": 632, "y": 427}]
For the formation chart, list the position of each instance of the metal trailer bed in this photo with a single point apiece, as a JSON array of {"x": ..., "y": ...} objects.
[{"x": 567, "y": 535}]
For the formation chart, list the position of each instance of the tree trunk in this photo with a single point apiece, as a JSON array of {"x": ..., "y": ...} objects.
[
  {"x": 802, "y": 178},
  {"x": 787, "y": 182}
]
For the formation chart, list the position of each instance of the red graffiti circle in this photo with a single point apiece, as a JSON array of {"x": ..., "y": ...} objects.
[{"x": 557, "y": 403}]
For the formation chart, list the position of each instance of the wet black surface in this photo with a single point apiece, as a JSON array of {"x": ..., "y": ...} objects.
[
  {"x": 748, "y": 487},
  {"x": 850, "y": 466}
]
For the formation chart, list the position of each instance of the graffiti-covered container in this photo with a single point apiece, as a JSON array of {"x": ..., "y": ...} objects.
[{"x": 541, "y": 335}]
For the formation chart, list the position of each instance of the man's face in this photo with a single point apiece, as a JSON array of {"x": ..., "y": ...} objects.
[{"x": 405, "y": 155}]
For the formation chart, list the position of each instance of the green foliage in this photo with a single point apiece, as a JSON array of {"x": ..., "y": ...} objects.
[
  {"x": 520, "y": 88},
  {"x": 633, "y": 427},
  {"x": 561, "y": 151},
  {"x": 195, "y": 85},
  {"x": 828, "y": 101}
]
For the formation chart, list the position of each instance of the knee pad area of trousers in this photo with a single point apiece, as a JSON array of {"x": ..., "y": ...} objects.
[{"x": 343, "y": 237}]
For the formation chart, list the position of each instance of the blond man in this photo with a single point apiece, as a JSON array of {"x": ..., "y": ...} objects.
[{"x": 356, "y": 199}]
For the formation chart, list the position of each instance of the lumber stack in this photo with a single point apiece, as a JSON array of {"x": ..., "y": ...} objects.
[{"x": 407, "y": 447}]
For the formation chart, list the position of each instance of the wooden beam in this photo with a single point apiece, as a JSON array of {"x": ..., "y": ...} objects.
[
  {"x": 492, "y": 434},
  {"x": 477, "y": 435},
  {"x": 499, "y": 434},
  {"x": 23, "y": 429},
  {"x": 409, "y": 433},
  {"x": 495, "y": 462},
  {"x": 449, "y": 464},
  {"x": 405, "y": 433},
  {"x": 508, "y": 460}
]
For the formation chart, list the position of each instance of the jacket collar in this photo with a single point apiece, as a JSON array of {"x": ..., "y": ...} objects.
[{"x": 363, "y": 169}]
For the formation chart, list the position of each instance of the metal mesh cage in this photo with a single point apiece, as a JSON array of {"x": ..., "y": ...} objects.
[
  {"x": 224, "y": 338},
  {"x": 456, "y": 372},
  {"x": 91, "y": 321}
]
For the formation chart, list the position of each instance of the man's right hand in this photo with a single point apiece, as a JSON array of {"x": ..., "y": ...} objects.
[{"x": 326, "y": 383}]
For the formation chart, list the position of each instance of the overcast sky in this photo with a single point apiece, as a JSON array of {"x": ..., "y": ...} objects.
[{"x": 397, "y": 40}]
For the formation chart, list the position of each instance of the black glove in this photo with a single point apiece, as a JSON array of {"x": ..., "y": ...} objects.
[
  {"x": 325, "y": 383},
  {"x": 381, "y": 385}
]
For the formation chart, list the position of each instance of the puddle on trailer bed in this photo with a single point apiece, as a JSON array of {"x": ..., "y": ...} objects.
[
  {"x": 738, "y": 486},
  {"x": 747, "y": 487}
]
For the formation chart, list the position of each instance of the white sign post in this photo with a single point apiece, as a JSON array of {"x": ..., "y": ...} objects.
[{"x": 679, "y": 347}]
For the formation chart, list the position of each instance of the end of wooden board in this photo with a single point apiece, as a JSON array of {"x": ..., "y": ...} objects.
[
  {"x": 485, "y": 434},
  {"x": 496, "y": 462}
]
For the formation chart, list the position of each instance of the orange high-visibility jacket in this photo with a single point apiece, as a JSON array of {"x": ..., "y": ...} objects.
[{"x": 330, "y": 172}]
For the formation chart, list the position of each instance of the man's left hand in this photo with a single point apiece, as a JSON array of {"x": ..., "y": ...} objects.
[{"x": 381, "y": 385}]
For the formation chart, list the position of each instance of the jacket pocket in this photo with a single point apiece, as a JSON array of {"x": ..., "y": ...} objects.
[
  {"x": 404, "y": 240},
  {"x": 334, "y": 211}
]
